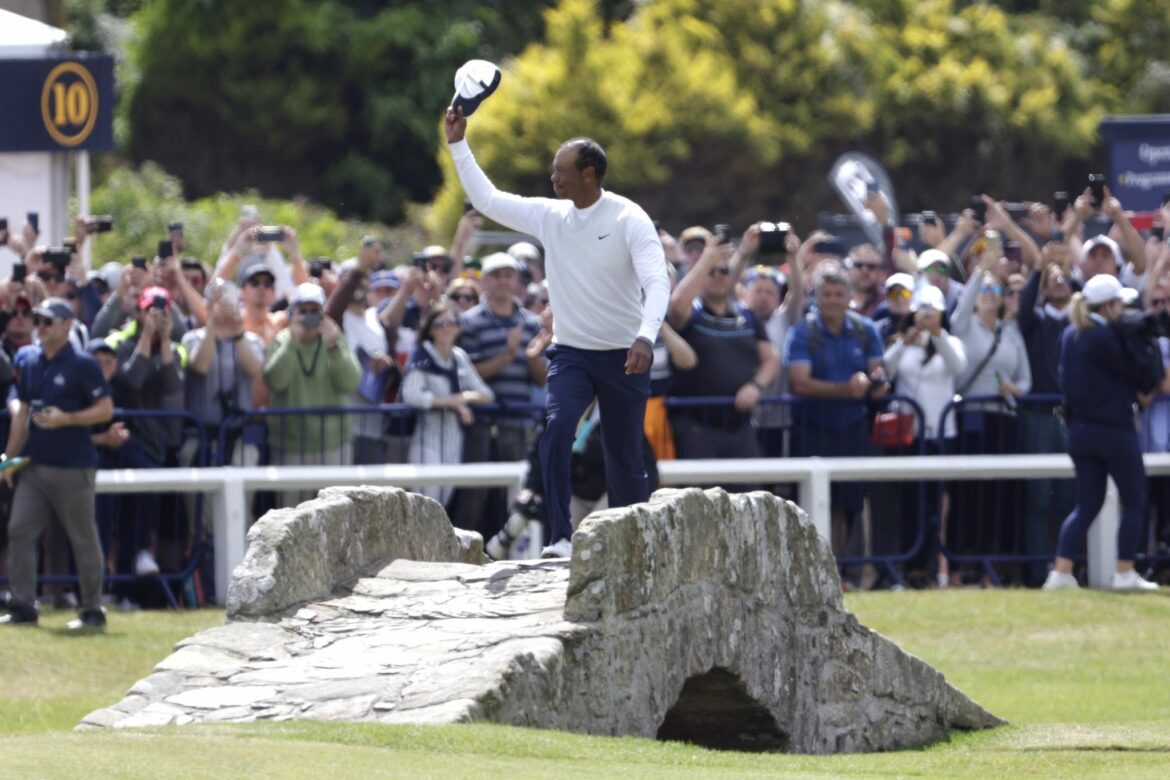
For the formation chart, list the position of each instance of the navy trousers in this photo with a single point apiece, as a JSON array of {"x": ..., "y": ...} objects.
[
  {"x": 575, "y": 377},
  {"x": 1099, "y": 451}
]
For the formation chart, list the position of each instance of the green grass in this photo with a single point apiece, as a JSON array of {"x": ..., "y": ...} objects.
[{"x": 1082, "y": 677}]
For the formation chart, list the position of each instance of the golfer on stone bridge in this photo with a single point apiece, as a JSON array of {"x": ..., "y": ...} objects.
[{"x": 608, "y": 290}]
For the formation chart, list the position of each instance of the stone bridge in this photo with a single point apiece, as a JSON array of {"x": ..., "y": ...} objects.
[{"x": 708, "y": 617}]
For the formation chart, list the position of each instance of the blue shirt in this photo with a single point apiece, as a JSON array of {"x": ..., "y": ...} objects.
[
  {"x": 70, "y": 381},
  {"x": 834, "y": 358},
  {"x": 1098, "y": 383}
]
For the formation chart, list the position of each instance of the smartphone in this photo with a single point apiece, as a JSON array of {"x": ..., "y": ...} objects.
[
  {"x": 773, "y": 237},
  {"x": 1097, "y": 186},
  {"x": 34, "y": 219},
  {"x": 270, "y": 233},
  {"x": 58, "y": 256},
  {"x": 929, "y": 218},
  {"x": 3, "y": 223},
  {"x": 1158, "y": 232},
  {"x": 1060, "y": 201},
  {"x": 723, "y": 232},
  {"x": 419, "y": 260},
  {"x": 102, "y": 224},
  {"x": 19, "y": 272},
  {"x": 830, "y": 245},
  {"x": 138, "y": 261},
  {"x": 1057, "y": 236},
  {"x": 165, "y": 249},
  {"x": 980, "y": 208},
  {"x": 1012, "y": 252},
  {"x": 175, "y": 227}
]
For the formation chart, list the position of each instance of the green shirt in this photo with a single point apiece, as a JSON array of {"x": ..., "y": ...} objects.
[{"x": 308, "y": 374}]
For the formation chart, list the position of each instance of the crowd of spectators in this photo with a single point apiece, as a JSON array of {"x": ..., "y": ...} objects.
[{"x": 804, "y": 342}]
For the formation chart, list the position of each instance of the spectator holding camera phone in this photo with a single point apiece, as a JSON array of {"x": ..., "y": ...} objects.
[
  {"x": 1121, "y": 253},
  {"x": 309, "y": 363},
  {"x": 250, "y": 243}
]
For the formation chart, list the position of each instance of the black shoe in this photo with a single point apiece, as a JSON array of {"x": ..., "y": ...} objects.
[
  {"x": 88, "y": 620},
  {"x": 19, "y": 616}
]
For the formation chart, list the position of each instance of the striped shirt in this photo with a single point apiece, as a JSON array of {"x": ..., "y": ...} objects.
[{"x": 485, "y": 335}]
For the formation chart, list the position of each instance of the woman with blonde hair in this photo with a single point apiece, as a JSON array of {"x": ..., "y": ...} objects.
[{"x": 1100, "y": 383}]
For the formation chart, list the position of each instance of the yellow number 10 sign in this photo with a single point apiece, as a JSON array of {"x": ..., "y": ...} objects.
[{"x": 69, "y": 103}]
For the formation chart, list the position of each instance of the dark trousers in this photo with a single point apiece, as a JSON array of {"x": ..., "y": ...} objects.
[
  {"x": 1098, "y": 452},
  {"x": 575, "y": 377}
]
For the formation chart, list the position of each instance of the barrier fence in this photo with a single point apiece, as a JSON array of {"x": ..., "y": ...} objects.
[{"x": 1002, "y": 474}]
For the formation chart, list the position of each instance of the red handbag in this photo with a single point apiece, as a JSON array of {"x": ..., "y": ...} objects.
[{"x": 893, "y": 430}]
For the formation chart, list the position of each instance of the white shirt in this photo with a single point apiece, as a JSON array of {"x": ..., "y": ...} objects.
[{"x": 606, "y": 270}]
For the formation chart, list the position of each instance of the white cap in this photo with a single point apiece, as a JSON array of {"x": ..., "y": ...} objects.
[
  {"x": 496, "y": 261},
  {"x": 899, "y": 280},
  {"x": 928, "y": 297},
  {"x": 1129, "y": 296},
  {"x": 307, "y": 293},
  {"x": 1102, "y": 288},
  {"x": 931, "y": 257},
  {"x": 524, "y": 250},
  {"x": 1106, "y": 241}
]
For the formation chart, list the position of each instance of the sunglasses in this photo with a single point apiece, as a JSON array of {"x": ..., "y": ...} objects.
[
  {"x": 20, "y": 313},
  {"x": 445, "y": 324},
  {"x": 1157, "y": 303},
  {"x": 39, "y": 321},
  {"x": 257, "y": 282},
  {"x": 936, "y": 269},
  {"x": 1012, "y": 294},
  {"x": 720, "y": 272},
  {"x": 994, "y": 289},
  {"x": 464, "y": 297},
  {"x": 898, "y": 292},
  {"x": 866, "y": 266},
  {"x": 440, "y": 268},
  {"x": 49, "y": 277}
]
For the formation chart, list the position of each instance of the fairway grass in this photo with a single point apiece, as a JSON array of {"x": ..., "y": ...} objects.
[{"x": 1083, "y": 678}]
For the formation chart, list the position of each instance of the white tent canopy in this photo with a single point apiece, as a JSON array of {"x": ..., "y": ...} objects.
[{"x": 21, "y": 37}]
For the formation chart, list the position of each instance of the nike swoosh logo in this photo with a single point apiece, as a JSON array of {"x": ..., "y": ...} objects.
[{"x": 605, "y": 236}]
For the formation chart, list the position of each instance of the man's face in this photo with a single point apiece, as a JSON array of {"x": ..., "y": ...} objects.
[
  {"x": 692, "y": 250},
  {"x": 51, "y": 332},
  {"x": 763, "y": 297},
  {"x": 259, "y": 291},
  {"x": 500, "y": 285},
  {"x": 718, "y": 283},
  {"x": 195, "y": 278},
  {"x": 19, "y": 324},
  {"x": 1056, "y": 287},
  {"x": 1100, "y": 260},
  {"x": 370, "y": 253},
  {"x": 107, "y": 363},
  {"x": 309, "y": 315},
  {"x": 939, "y": 276},
  {"x": 567, "y": 181},
  {"x": 832, "y": 300},
  {"x": 866, "y": 272}
]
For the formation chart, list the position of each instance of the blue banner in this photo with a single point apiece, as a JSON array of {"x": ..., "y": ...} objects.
[
  {"x": 57, "y": 104},
  {"x": 1139, "y": 159}
]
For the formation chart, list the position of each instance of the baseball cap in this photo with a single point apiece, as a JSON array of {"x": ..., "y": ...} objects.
[
  {"x": 55, "y": 309},
  {"x": 932, "y": 257},
  {"x": 764, "y": 272},
  {"x": 1104, "y": 241},
  {"x": 371, "y": 240},
  {"x": 498, "y": 260},
  {"x": 1102, "y": 288},
  {"x": 929, "y": 297},
  {"x": 94, "y": 346},
  {"x": 307, "y": 293},
  {"x": 475, "y": 81},
  {"x": 694, "y": 233},
  {"x": 384, "y": 279},
  {"x": 900, "y": 280},
  {"x": 435, "y": 251},
  {"x": 148, "y": 295},
  {"x": 255, "y": 269},
  {"x": 524, "y": 250}
]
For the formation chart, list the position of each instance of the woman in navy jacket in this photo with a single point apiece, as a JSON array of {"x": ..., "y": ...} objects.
[{"x": 1100, "y": 395}]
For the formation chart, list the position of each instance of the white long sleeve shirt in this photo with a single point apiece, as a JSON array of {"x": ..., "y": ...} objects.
[{"x": 606, "y": 270}]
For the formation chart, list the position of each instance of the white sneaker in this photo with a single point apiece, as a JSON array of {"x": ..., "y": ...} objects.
[
  {"x": 1131, "y": 580},
  {"x": 145, "y": 565},
  {"x": 1058, "y": 580},
  {"x": 560, "y": 549}
]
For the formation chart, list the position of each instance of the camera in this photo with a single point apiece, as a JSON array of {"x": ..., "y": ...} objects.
[
  {"x": 723, "y": 233},
  {"x": 270, "y": 233},
  {"x": 773, "y": 237},
  {"x": 318, "y": 266},
  {"x": 58, "y": 256},
  {"x": 158, "y": 302},
  {"x": 929, "y": 218},
  {"x": 100, "y": 224},
  {"x": 1097, "y": 187},
  {"x": 830, "y": 245},
  {"x": 980, "y": 208},
  {"x": 419, "y": 260},
  {"x": 138, "y": 261}
]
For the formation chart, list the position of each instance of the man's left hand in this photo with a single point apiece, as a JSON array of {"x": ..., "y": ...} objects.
[
  {"x": 50, "y": 417},
  {"x": 330, "y": 332},
  {"x": 640, "y": 356}
]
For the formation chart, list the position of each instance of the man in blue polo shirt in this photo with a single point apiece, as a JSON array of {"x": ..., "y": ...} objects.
[
  {"x": 834, "y": 359},
  {"x": 66, "y": 394}
]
